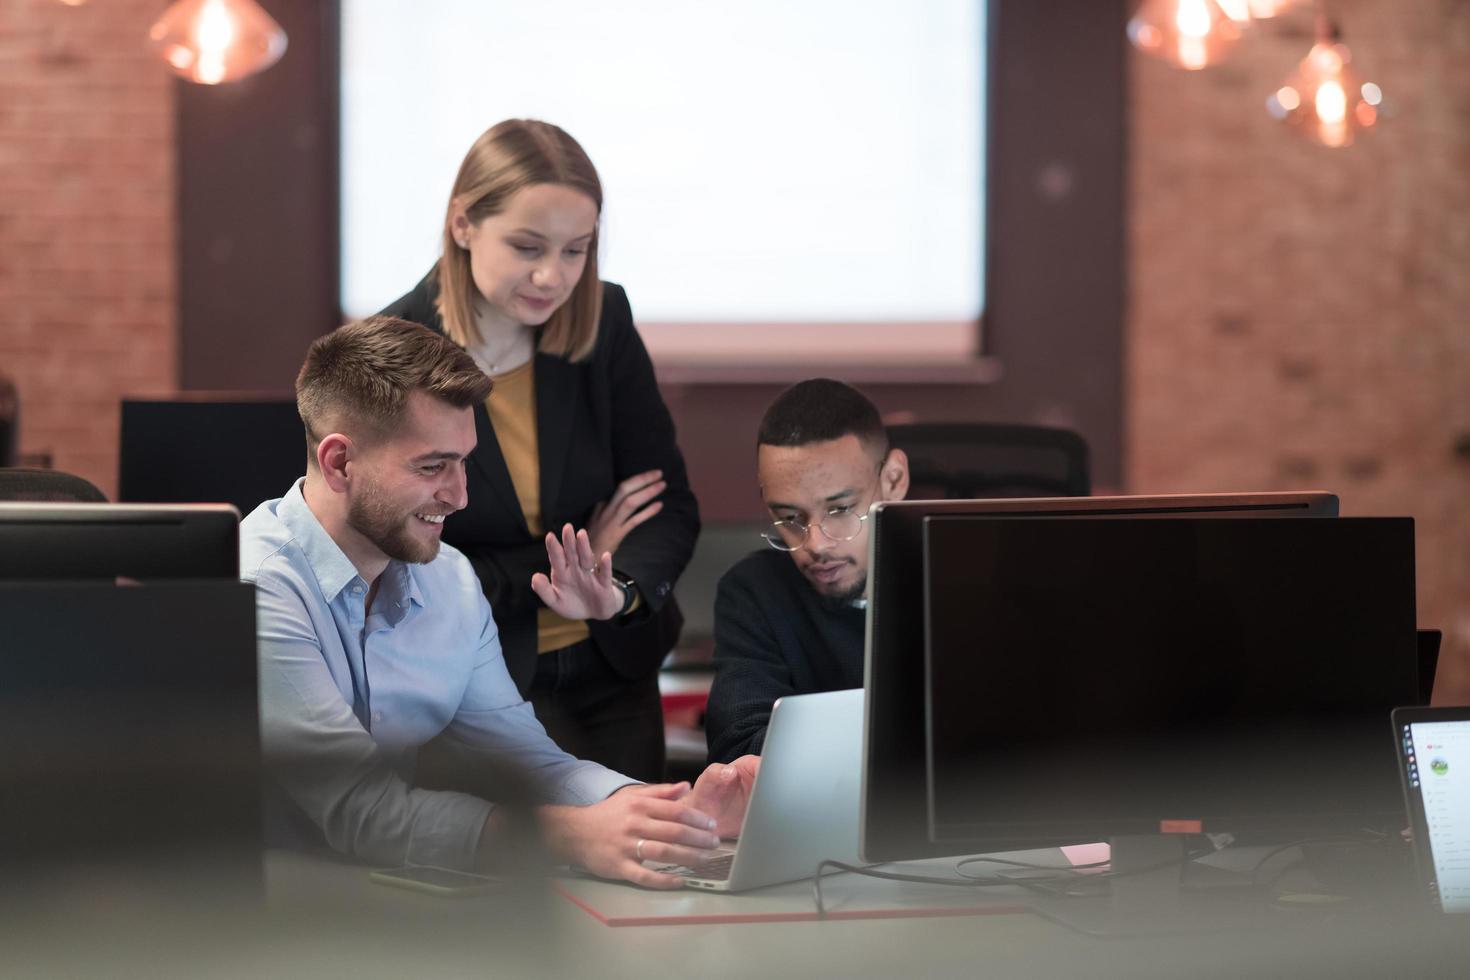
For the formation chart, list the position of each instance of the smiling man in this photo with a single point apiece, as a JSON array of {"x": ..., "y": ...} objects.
[
  {"x": 789, "y": 619},
  {"x": 375, "y": 638}
]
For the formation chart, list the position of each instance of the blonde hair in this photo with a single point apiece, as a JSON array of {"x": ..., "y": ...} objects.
[{"x": 507, "y": 157}]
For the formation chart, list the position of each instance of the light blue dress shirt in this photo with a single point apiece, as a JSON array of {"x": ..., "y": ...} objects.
[{"x": 348, "y": 694}]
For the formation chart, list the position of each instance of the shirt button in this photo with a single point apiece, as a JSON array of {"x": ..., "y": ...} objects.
[
  {"x": 357, "y": 590},
  {"x": 377, "y": 716}
]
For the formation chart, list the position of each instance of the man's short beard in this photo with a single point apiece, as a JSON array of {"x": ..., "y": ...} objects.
[
  {"x": 836, "y": 601},
  {"x": 369, "y": 515}
]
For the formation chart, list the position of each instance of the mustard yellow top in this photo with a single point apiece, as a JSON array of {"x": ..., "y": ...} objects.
[{"x": 512, "y": 408}]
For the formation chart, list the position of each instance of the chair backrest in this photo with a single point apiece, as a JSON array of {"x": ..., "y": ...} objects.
[
  {"x": 966, "y": 460},
  {"x": 209, "y": 448},
  {"x": 9, "y": 422},
  {"x": 51, "y": 486}
]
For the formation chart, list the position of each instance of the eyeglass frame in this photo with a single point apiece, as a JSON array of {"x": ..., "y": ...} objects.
[{"x": 806, "y": 529}]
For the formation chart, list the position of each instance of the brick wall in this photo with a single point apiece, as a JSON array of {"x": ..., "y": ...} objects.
[
  {"x": 86, "y": 223},
  {"x": 1300, "y": 317}
]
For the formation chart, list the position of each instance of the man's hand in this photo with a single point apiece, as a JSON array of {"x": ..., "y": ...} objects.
[
  {"x": 724, "y": 791},
  {"x": 580, "y": 585},
  {"x": 625, "y": 509},
  {"x": 651, "y": 822}
]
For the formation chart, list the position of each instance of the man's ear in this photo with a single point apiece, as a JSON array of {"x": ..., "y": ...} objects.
[
  {"x": 333, "y": 454},
  {"x": 893, "y": 477}
]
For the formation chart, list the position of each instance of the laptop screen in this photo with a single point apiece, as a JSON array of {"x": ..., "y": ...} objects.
[{"x": 1436, "y": 757}]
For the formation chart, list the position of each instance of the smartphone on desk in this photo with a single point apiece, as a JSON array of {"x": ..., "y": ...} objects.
[{"x": 445, "y": 882}]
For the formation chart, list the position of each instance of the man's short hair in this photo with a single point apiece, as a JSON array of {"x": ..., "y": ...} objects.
[
  {"x": 820, "y": 410},
  {"x": 357, "y": 378}
]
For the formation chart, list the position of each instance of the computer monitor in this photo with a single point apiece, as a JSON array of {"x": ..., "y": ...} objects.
[
  {"x": 1088, "y": 680},
  {"x": 895, "y": 815},
  {"x": 210, "y": 447},
  {"x": 45, "y": 541},
  {"x": 129, "y": 728}
]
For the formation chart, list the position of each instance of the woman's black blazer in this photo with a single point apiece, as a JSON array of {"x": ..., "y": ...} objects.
[{"x": 598, "y": 422}]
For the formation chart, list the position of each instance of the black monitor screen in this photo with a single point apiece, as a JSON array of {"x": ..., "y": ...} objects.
[
  {"x": 895, "y": 812},
  {"x": 56, "y": 542},
  {"x": 129, "y": 723},
  {"x": 1098, "y": 678}
]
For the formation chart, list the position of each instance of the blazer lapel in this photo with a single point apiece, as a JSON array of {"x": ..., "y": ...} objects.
[
  {"x": 556, "y": 406},
  {"x": 489, "y": 460}
]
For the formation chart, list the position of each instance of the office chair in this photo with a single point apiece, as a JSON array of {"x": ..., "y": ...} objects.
[
  {"x": 965, "y": 460},
  {"x": 9, "y": 422},
  {"x": 50, "y": 486}
]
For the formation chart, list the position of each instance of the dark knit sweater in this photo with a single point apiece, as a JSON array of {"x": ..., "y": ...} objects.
[{"x": 774, "y": 637}]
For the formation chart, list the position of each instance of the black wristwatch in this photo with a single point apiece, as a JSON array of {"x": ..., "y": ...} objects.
[{"x": 630, "y": 591}]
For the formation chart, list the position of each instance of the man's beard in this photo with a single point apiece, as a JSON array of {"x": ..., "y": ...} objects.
[
  {"x": 370, "y": 515},
  {"x": 837, "y": 601}
]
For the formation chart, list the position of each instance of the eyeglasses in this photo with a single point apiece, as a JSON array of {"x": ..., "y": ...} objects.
[{"x": 791, "y": 534}]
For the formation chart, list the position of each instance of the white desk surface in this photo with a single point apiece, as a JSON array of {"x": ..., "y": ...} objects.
[{"x": 324, "y": 919}]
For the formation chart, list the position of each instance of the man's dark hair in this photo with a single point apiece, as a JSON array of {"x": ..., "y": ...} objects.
[
  {"x": 819, "y": 410},
  {"x": 358, "y": 377}
]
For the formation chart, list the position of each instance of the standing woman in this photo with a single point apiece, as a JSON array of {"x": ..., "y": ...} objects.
[{"x": 575, "y": 432}]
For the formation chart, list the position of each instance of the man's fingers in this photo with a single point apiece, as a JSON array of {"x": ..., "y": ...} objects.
[
  {"x": 669, "y": 832},
  {"x": 660, "y": 852},
  {"x": 648, "y": 878},
  {"x": 666, "y": 791},
  {"x": 676, "y": 813}
]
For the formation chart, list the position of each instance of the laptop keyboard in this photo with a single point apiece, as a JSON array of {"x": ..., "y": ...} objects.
[{"x": 716, "y": 868}]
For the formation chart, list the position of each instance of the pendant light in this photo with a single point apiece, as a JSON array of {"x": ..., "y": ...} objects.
[
  {"x": 1324, "y": 98},
  {"x": 1245, "y": 11},
  {"x": 1190, "y": 34},
  {"x": 213, "y": 41}
]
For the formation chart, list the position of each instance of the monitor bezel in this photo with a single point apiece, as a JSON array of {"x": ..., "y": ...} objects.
[{"x": 73, "y": 555}]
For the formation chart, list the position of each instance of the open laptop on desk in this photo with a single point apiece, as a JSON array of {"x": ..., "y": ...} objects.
[
  {"x": 1434, "y": 758},
  {"x": 804, "y": 807}
]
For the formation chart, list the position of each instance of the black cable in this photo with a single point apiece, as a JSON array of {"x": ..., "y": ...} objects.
[
  {"x": 1365, "y": 838},
  {"x": 1068, "y": 874},
  {"x": 978, "y": 859}
]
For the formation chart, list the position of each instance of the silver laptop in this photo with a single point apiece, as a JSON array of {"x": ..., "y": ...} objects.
[{"x": 804, "y": 807}]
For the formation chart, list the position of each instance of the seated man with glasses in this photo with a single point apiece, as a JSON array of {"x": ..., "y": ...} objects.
[{"x": 789, "y": 618}]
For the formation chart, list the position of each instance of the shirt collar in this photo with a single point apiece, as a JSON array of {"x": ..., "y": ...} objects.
[{"x": 334, "y": 571}]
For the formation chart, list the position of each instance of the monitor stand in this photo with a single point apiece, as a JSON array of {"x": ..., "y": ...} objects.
[{"x": 1154, "y": 890}]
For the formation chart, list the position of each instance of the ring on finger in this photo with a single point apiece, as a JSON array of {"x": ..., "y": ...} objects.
[
  {"x": 592, "y": 569},
  {"x": 638, "y": 848}
]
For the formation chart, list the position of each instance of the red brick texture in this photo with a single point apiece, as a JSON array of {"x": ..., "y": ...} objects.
[
  {"x": 86, "y": 223},
  {"x": 1300, "y": 317}
]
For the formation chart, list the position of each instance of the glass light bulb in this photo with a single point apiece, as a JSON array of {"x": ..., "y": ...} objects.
[
  {"x": 1191, "y": 34},
  {"x": 214, "y": 41},
  {"x": 1324, "y": 98},
  {"x": 1245, "y": 11}
]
